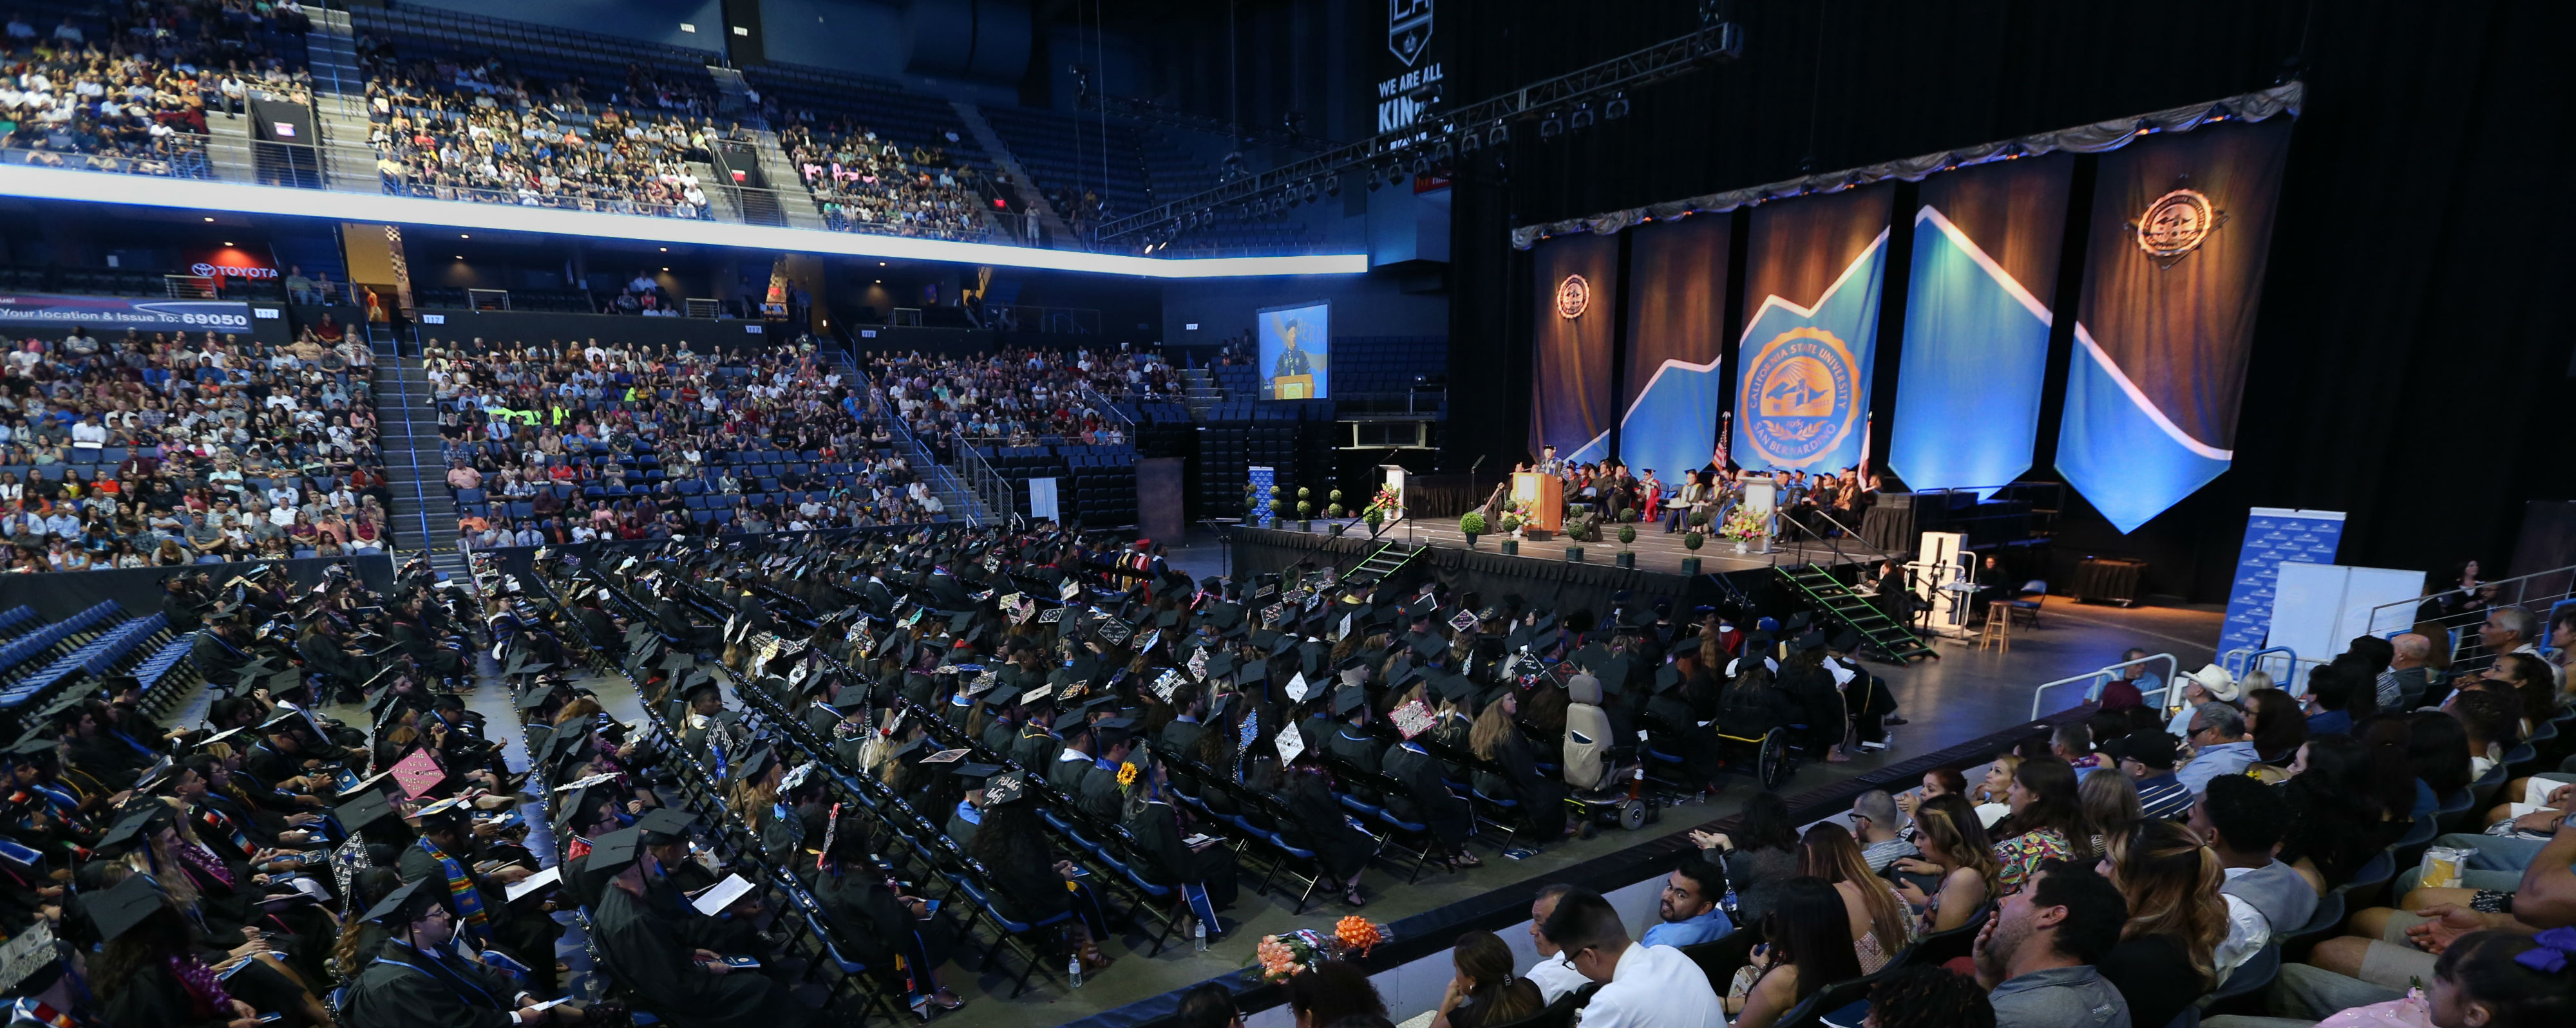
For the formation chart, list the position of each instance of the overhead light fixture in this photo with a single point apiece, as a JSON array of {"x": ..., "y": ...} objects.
[
  {"x": 1617, "y": 108},
  {"x": 1313, "y": 192},
  {"x": 666, "y": 269},
  {"x": 1421, "y": 165},
  {"x": 1500, "y": 135},
  {"x": 460, "y": 256},
  {"x": 666, "y": 249},
  {"x": 1582, "y": 116},
  {"x": 1470, "y": 141},
  {"x": 210, "y": 219},
  {"x": 881, "y": 264},
  {"x": 1551, "y": 128},
  {"x": 228, "y": 242},
  {"x": 465, "y": 235},
  {"x": 1333, "y": 186},
  {"x": 1443, "y": 152}
]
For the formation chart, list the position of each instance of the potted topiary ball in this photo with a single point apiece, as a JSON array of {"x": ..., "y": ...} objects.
[
  {"x": 1627, "y": 537},
  {"x": 1691, "y": 541},
  {"x": 1472, "y": 525},
  {"x": 1305, "y": 513}
]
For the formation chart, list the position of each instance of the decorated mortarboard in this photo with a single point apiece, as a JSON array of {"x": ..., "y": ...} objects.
[
  {"x": 1005, "y": 789},
  {"x": 1464, "y": 620},
  {"x": 796, "y": 776},
  {"x": 450, "y": 809},
  {"x": 578, "y": 803},
  {"x": 1412, "y": 718},
  {"x": 1290, "y": 744},
  {"x": 118, "y": 908}
]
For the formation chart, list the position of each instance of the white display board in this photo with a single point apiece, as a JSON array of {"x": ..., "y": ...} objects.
[
  {"x": 1042, "y": 499},
  {"x": 2318, "y": 609}
]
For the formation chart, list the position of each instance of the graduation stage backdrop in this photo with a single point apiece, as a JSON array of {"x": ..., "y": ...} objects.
[{"x": 2177, "y": 221}]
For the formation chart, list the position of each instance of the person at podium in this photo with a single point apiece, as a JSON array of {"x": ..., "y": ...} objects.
[{"x": 1292, "y": 361}]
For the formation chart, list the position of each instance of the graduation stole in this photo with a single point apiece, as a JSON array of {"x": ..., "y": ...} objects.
[
  {"x": 223, "y": 825},
  {"x": 460, "y": 887}
]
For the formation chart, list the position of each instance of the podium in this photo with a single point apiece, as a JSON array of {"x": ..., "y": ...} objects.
[
  {"x": 1292, "y": 387},
  {"x": 1544, "y": 495}
]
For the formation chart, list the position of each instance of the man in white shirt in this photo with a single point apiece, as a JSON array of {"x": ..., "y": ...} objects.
[
  {"x": 1552, "y": 974},
  {"x": 1641, "y": 986},
  {"x": 88, "y": 436}
]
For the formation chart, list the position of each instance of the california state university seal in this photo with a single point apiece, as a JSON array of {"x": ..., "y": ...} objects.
[
  {"x": 1573, "y": 297},
  {"x": 2176, "y": 224},
  {"x": 1804, "y": 392}
]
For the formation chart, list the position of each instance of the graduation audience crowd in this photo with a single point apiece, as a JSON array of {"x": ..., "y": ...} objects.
[
  {"x": 1018, "y": 397},
  {"x": 129, "y": 88},
  {"x": 148, "y": 450}
]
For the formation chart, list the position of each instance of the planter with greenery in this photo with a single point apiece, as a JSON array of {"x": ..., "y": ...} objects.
[
  {"x": 1691, "y": 541},
  {"x": 1471, "y": 525}
]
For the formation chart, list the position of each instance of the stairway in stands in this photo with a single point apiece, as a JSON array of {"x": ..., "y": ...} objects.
[
  {"x": 1200, "y": 392},
  {"x": 424, "y": 515},
  {"x": 1032, "y": 198},
  {"x": 1837, "y": 602},
  {"x": 339, "y": 102}
]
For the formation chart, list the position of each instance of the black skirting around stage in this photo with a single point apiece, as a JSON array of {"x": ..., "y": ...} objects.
[
  {"x": 1432, "y": 931},
  {"x": 1560, "y": 584}
]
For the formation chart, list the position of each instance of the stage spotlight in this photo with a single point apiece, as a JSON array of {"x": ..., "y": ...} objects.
[
  {"x": 1422, "y": 165},
  {"x": 1333, "y": 186},
  {"x": 1371, "y": 179},
  {"x": 1552, "y": 127},
  {"x": 1500, "y": 135},
  {"x": 1617, "y": 108},
  {"x": 1582, "y": 117},
  {"x": 1395, "y": 176},
  {"x": 1314, "y": 193},
  {"x": 1470, "y": 142},
  {"x": 1443, "y": 152}
]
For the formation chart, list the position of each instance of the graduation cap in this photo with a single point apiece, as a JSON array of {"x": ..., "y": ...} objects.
[
  {"x": 662, "y": 826},
  {"x": 754, "y": 762},
  {"x": 534, "y": 698},
  {"x": 1071, "y": 721},
  {"x": 140, "y": 819},
  {"x": 1429, "y": 645},
  {"x": 611, "y": 854},
  {"x": 405, "y": 904},
  {"x": 154, "y": 776},
  {"x": 1454, "y": 688},
  {"x": 1845, "y": 641},
  {"x": 576, "y": 803},
  {"x": 1347, "y": 699},
  {"x": 1546, "y": 640},
  {"x": 1666, "y": 677},
  {"x": 1686, "y": 646},
  {"x": 1004, "y": 789},
  {"x": 36, "y": 750},
  {"x": 975, "y": 774},
  {"x": 446, "y": 811},
  {"x": 698, "y": 683},
  {"x": 1812, "y": 640},
  {"x": 119, "y": 908}
]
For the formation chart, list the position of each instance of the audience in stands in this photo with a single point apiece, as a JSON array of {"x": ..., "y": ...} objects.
[
  {"x": 1017, "y": 397},
  {"x": 134, "y": 97},
  {"x": 2036, "y": 955},
  {"x": 602, "y": 441},
  {"x": 864, "y": 183},
  {"x": 140, "y": 451}
]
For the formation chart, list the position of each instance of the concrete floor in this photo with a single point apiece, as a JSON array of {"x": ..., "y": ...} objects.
[{"x": 1965, "y": 694}]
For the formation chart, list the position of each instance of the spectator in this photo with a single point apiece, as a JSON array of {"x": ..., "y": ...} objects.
[
  {"x": 2277, "y": 725},
  {"x": 1954, "y": 848},
  {"x": 2218, "y": 733},
  {"x": 2146, "y": 756},
  {"x": 1688, "y": 908},
  {"x": 1806, "y": 945},
  {"x": 1641, "y": 986},
  {"x": 1881, "y": 925},
  {"x": 1207, "y": 1005},
  {"x": 2167, "y": 951},
  {"x": 2511, "y": 630},
  {"x": 2110, "y": 806},
  {"x": 1761, "y": 853},
  {"x": 2210, "y": 684},
  {"x": 2242, "y": 821},
  {"x": 2047, "y": 823},
  {"x": 1880, "y": 829},
  {"x": 2035, "y": 957},
  {"x": 1929, "y": 997},
  {"x": 1331, "y": 991},
  {"x": 2411, "y": 666},
  {"x": 1553, "y": 974},
  {"x": 1483, "y": 990}
]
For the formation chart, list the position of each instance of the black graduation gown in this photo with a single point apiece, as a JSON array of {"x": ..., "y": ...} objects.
[
  {"x": 873, "y": 927},
  {"x": 1681, "y": 736},
  {"x": 1542, "y": 798},
  {"x": 1163, "y": 860},
  {"x": 1321, "y": 827},
  {"x": 155, "y": 998},
  {"x": 1101, "y": 796},
  {"x": 1820, "y": 703},
  {"x": 1068, "y": 775},
  {"x": 961, "y": 829},
  {"x": 1182, "y": 736},
  {"x": 647, "y": 950},
  {"x": 1035, "y": 749},
  {"x": 1426, "y": 799},
  {"x": 403, "y": 988}
]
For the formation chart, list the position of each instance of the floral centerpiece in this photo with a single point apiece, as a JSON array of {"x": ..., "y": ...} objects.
[
  {"x": 1385, "y": 505},
  {"x": 1283, "y": 955},
  {"x": 1744, "y": 523}
]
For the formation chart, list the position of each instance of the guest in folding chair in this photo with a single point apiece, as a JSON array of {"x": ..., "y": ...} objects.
[
  {"x": 1030, "y": 882},
  {"x": 1205, "y": 873},
  {"x": 879, "y": 926}
]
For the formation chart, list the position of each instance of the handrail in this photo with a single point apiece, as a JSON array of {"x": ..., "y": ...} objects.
[
  {"x": 992, "y": 489},
  {"x": 2103, "y": 676},
  {"x": 1092, "y": 396},
  {"x": 924, "y": 462},
  {"x": 2243, "y": 659}
]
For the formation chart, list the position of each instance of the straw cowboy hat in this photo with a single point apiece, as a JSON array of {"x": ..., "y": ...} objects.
[{"x": 2216, "y": 679}]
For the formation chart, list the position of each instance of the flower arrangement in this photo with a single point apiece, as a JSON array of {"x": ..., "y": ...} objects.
[
  {"x": 1386, "y": 502},
  {"x": 1283, "y": 955},
  {"x": 1126, "y": 775},
  {"x": 1744, "y": 523}
]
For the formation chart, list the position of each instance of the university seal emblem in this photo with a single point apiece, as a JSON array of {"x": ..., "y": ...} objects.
[
  {"x": 1573, "y": 297},
  {"x": 1804, "y": 391},
  {"x": 2176, "y": 224}
]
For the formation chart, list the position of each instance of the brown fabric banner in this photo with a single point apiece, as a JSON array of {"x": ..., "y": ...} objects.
[
  {"x": 1576, "y": 283},
  {"x": 1669, "y": 403}
]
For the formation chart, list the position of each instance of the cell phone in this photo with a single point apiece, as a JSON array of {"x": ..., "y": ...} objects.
[
  {"x": 266, "y": 1018},
  {"x": 929, "y": 907}
]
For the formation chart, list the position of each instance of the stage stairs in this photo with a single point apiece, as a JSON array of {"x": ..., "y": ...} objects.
[
  {"x": 1837, "y": 602},
  {"x": 1383, "y": 563}
]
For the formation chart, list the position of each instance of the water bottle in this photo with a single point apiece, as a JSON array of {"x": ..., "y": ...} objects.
[
  {"x": 1073, "y": 970},
  {"x": 1198, "y": 933},
  {"x": 1728, "y": 901}
]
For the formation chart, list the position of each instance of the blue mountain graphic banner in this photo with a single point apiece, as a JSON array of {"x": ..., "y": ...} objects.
[
  {"x": 1814, "y": 270},
  {"x": 1969, "y": 379},
  {"x": 2181, "y": 231},
  {"x": 1575, "y": 283},
  {"x": 1673, "y": 387}
]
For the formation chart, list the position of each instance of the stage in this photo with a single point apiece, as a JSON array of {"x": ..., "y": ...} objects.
[{"x": 1540, "y": 572}]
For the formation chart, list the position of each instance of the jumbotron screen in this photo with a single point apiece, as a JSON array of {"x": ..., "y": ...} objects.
[{"x": 1296, "y": 351}]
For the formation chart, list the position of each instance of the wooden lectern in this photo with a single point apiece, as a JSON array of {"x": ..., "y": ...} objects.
[
  {"x": 1292, "y": 387},
  {"x": 1544, "y": 495}
]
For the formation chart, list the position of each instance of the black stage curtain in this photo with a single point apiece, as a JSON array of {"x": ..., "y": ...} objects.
[
  {"x": 2407, "y": 328},
  {"x": 1547, "y": 584}
]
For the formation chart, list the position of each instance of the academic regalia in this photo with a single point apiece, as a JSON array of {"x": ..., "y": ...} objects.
[
  {"x": 875, "y": 928},
  {"x": 1182, "y": 736},
  {"x": 1068, "y": 771},
  {"x": 1426, "y": 799},
  {"x": 1542, "y": 798},
  {"x": 409, "y": 988},
  {"x": 646, "y": 948},
  {"x": 1101, "y": 796},
  {"x": 1001, "y": 736},
  {"x": 962, "y": 824},
  {"x": 1321, "y": 827},
  {"x": 1356, "y": 745},
  {"x": 1163, "y": 860}
]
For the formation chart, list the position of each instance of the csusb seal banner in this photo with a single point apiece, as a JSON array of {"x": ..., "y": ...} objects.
[{"x": 1818, "y": 264}]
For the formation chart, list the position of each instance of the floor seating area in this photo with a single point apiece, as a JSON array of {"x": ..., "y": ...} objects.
[{"x": 43, "y": 658}]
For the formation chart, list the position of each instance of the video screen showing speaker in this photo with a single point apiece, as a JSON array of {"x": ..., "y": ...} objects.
[{"x": 1296, "y": 349}]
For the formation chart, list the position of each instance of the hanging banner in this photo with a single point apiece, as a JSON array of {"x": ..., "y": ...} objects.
[
  {"x": 1575, "y": 281},
  {"x": 1676, "y": 339},
  {"x": 1986, "y": 242},
  {"x": 1812, "y": 282},
  {"x": 2273, "y": 537},
  {"x": 2182, "y": 227}
]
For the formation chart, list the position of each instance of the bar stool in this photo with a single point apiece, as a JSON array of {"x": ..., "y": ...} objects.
[{"x": 1997, "y": 630}]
